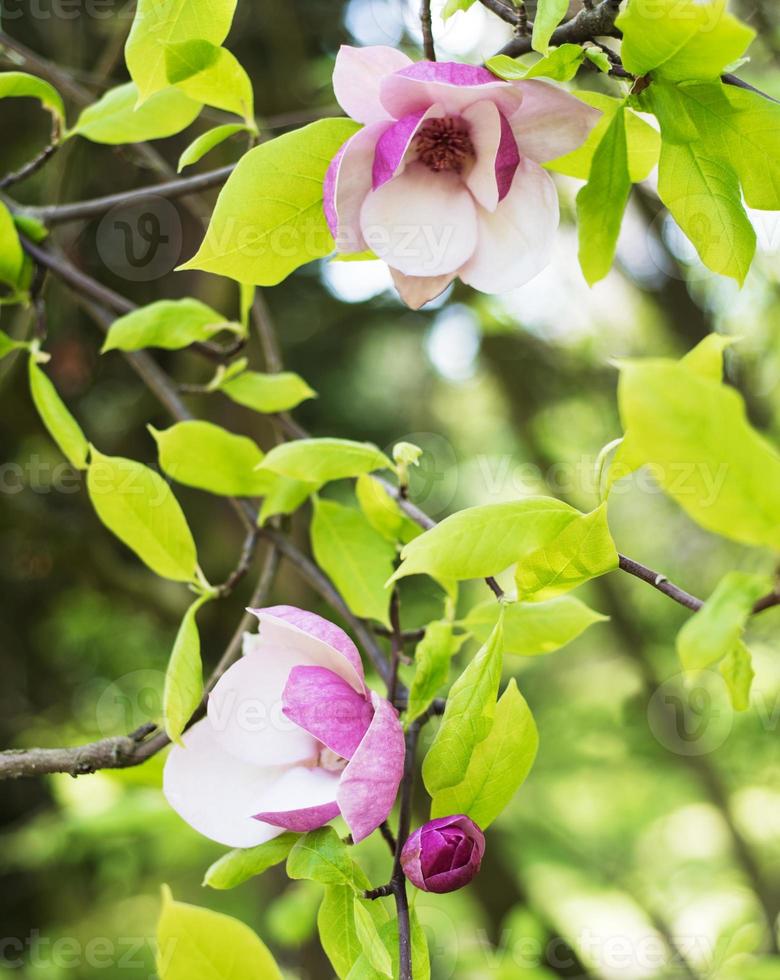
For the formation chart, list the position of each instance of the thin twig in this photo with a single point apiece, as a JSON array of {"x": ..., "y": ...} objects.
[
  {"x": 396, "y": 645},
  {"x": 598, "y": 22},
  {"x": 660, "y": 582},
  {"x": 38, "y": 161},
  {"x": 426, "y": 25},
  {"x": 503, "y": 10}
]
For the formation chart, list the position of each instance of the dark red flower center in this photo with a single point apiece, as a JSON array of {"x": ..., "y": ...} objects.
[{"x": 444, "y": 144}]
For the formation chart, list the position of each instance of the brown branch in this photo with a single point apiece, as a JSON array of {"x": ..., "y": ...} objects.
[
  {"x": 426, "y": 25},
  {"x": 503, "y": 10},
  {"x": 588, "y": 24}
]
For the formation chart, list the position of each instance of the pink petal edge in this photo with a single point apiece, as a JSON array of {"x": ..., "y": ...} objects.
[
  {"x": 324, "y": 705},
  {"x": 357, "y": 75}
]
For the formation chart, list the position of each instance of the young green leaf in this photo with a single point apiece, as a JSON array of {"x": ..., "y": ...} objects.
[
  {"x": 388, "y": 933},
  {"x": 268, "y": 219},
  {"x": 211, "y": 75},
  {"x": 583, "y": 550},
  {"x": 602, "y": 202},
  {"x": 241, "y": 864},
  {"x": 22, "y": 85},
  {"x": 206, "y": 142},
  {"x": 321, "y": 856},
  {"x": 355, "y": 556},
  {"x": 8, "y": 344},
  {"x": 168, "y": 323},
  {"x": 11, "y": 254},
  {"x": 432, "y": 659},
  {"x": 336, "y": 925},
  {"x": 157, "y": 25},
  {"x": 716, "y": 629},
  {"x": 195, "y": 942},
  {"x": 268, "y": 393},
  {"x": 485, "y": 540},
  {"x": 368, "y": 936},
  {"x": 560, "y": 64},
  {"x": 382, "y": 512},
  {"x": 183, "y": 690},
  {"x": 468, "y": 717},
  {"x": 453, "y": 6},
  {"x": 63, "y": 428},
  {"x": 282, "y": 495},
  {"x": 137, "y": 505},
  {"x": 114, "y": 119},
  {"x": 737, "y": 671},
  {"x": 549, "y": 13},
  {"x": 533, "y": 628},
  {"x": 206, "y": 456},
  {"x": 321, "y": 460},
  {"x": 499, "y": 765}
]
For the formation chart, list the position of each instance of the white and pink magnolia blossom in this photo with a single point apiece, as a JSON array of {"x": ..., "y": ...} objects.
[
  {"x": 292, "y": 738},
  {"x": 444, "y": 178}
]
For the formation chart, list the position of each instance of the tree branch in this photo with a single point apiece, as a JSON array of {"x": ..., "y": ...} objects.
[
  {"x": 427, "y": 30},
  {"x": 588, "y": 24}
]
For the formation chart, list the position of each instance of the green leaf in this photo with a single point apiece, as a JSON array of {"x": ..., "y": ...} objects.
[
  {"x": 453, "y": 6},
  {"x": 549, "y": 14},
  {"x": 368, "y": 936},
  {"x": 468, "y": 717},
  {"x": 499, "y": 765},
  {"x": 321, "y": 460},
  {"x": 336, "y": 925},
  {"x": 388, "y": 933},
  {"x": 533, "y": 628},
  {"x": 21, "y": 85},
  {"x": 598, "y": 58},
  {"x": 8, "y": 344},
  {"x": 211, "y": 75},
  {"x": 321, "y": 856},
  {"x": 737, "y": 671},
  {"x": 168, "y": 323},
  {"x": 206, "y": 456},
  {"x": 137, "y": 505},
  {"x": 240, "y": 865},
  {"x": 63, "y": 428},
  {"x": 602, "y": 202},
  {"x": 706, "y": 358},
  {"x": 355, "y": 556},
  {"x": 382, "y": 511},
  {"x": 114, "y": 119},
  {"x": 11, "y": 254},
  {"x": 481, "y": 541},
  {"x": 681, "y": 39},
  {"x": 30, "y": 226},
  {"x": 432, "y": 659},
  {"x": 268, "y": 219},
  {"x": 268, "y": 393},
  {"x": 561, "y": 64},
  {"x": 583, "y": 550},
  {"x": 703, "y": 451},
  {"x": 194, "y": 942},
  {"x": 157, "y": 25},
  {"x": 206, "y": 142},
  {"x": 282, "y": 495},
  {"x": 183, "y": 689},
  {"x": 717, "y": 627}
]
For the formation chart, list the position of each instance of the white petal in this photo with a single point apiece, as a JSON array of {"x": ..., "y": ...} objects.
[
  {"x": 300, "y": 788},
  {"x": 357, "y": 75},
  {"x": 550, "y": 122},
  {"x": 416, "y": 291}
]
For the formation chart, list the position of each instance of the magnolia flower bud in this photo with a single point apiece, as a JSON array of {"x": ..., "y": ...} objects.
[{"x": 443, "y": 855}]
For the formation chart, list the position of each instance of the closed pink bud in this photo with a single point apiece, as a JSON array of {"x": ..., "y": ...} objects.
[{"x": 444, "y": 854}]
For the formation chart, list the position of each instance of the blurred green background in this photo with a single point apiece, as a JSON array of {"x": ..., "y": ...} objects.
[{"x": 645, "y": 843}]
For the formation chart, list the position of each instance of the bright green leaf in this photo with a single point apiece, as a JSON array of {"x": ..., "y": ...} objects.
[
  {"x": 168, "y": 323},
  {"x": 602, "y": 201},
  {"x": 355, "y": 556},
  {"x": 206, "y": 456},
  {"x": 114, "y": 119},
  {"x": 322, "y": 460},
  {"x": 549, "y": 14},
  {"x": 432, "y": 659},
  {"x": 268, "y": 393},
  {"x": 183, "y": 689},
  {"x": 8, "y": 344},
  {"x": 382, "y": 511},
  {"x": 206, "y": 142},
  {"x": 243, "y": 863},
  {"x": 211, "y": 75},
  {"x": 706, "y": 358},
  {"x": 481, "y": 541},
  {"x": 468, "y": 717},
  {"x": 737, "y": 671},
  {"x": 20, "y": 84},
  {"x": 63, "y": 428},
  {"x": 533, "y": 628},
  {"x": 336, "y": 925},
  {"x": 11, "y": 254},
  {"x": 137, "y": 505},
  {"x": 583, "y": 550},
  {"x": 717, "y": 627},
  {"x": 499, "y": 764},
  {"x": 159, "y": 24},
  {"x": 268, "y": 219},
  {"x": 453, "y": 6},
  {"x": 368, "y": 935},
  {"x": 598, "y": 58},
  {"x": 194, "y": 942},
  {"x": 281, "y": 495},
  {"x": 321, "y": 856},
  {"x": 560, "y": 64}
]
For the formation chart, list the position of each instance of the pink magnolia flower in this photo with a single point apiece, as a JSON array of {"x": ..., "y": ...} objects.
[
  {"x": 444, "y": 178},
  {"x": 444, "y": 854},
  {"x": 292, "y": 738}
]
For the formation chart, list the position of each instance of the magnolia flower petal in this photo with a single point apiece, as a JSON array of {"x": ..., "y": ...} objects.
[
  {"x": 370, "y": 782},
  {"x": 347, "y": 181},
  {"x": 515, "y": 240},
  {"x": 323, "y": 704},
  {"x": 317, "y": 641},
  {"x": 357, "y": 76},
  {"x": 301, "y": 799},
  {"x": 452, "y": 85},
  {"x": 496, "y": 151},
  {"x": 215, "y": 792},
  {"x": 245, "y": 710},
  {"x": 421, "y": 223},
  {"x": 550, "y": 122},
  {"x": 416, "y": 291},
  {"x": 392, "y": 148}
]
